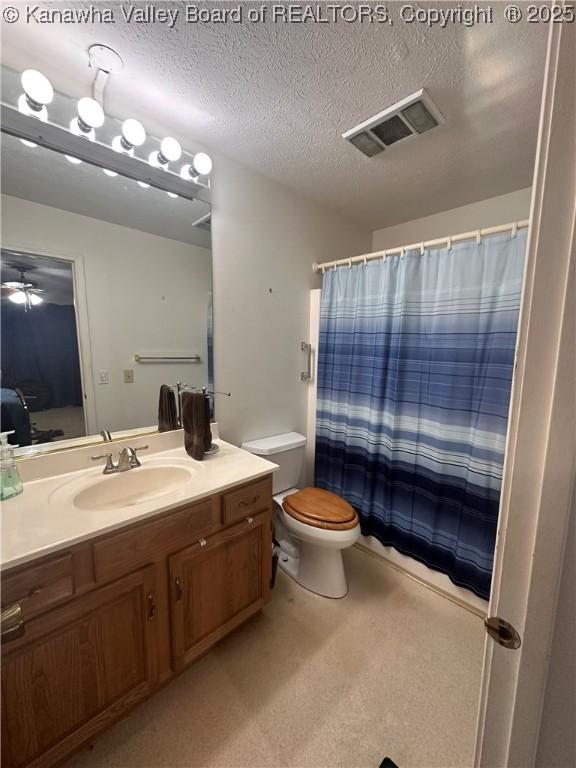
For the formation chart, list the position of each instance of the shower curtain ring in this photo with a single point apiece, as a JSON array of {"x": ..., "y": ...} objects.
[
  {"x": 349, "y": 263},
  {"x": 421, "y": 249},
  {"x": 514, "y": 229}
]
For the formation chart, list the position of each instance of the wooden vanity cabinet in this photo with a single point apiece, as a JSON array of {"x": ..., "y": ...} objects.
[
  {"x": 217, "y": 584},
  {"x": 116, "y": 617},
  {"x": 76, "y": 669}
]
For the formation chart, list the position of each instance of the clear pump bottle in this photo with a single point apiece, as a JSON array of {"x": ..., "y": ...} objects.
[{"x": 10, "y": 481}]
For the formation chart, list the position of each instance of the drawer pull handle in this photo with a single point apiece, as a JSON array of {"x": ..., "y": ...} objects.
[
  {"x": 11, "y": 622},
  {"x": 151, "y": 606},
  {"x": 249, "y": 502},
  {"x": 249, "y": 520},
  {"x": 31, "y": 593},
  {"x": 178, "y": 590},
  {"x": 202, "y": 542}
]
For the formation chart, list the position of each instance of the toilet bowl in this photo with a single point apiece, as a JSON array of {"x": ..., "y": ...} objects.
[
  {"x": 312, "y": 526},
  {"x": 311, "y": 554}
]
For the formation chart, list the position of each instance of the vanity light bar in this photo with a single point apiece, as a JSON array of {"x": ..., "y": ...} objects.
[
  {"x": 38, "y": 92},
  {"x": 61, "y": 140}
]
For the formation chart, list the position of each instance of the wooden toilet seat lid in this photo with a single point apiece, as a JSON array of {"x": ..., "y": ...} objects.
[{"x": 320, "y": 508}]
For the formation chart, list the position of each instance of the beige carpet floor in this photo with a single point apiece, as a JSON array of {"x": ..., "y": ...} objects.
[
  {"x": 69, "y": 419},
  {"x": 393, "y": 669}
]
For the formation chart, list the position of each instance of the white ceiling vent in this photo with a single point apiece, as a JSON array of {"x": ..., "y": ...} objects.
[{"x": 412, "y": 116}]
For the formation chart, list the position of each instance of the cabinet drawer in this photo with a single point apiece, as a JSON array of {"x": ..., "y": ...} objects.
[
  {"x": 40, "y": 586},
  {"x": 122, "y": 552},
  {"x": 247, "y": 501}
]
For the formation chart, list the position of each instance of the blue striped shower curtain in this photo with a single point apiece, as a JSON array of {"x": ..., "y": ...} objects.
[{"x": 415, "y": 367}]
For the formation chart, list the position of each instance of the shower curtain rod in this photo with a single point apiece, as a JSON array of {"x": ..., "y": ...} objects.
[{"x": 476, "y": 234}]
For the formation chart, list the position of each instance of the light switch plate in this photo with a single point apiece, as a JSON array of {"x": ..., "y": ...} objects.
[
  {"x": 128, "y": 376},
  {"x": 103, "y": 377}
]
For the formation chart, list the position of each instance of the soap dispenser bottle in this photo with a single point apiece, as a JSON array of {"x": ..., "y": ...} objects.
[{"x": 10, "y": 481}]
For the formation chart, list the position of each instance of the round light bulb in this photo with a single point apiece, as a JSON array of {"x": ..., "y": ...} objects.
[
  {"x": 25, "y": 109},
  {"x": 77, "y": 130},
  {"x": 28, "y": 143},
  {"x": 109, "y": 173},
  {"x": 18, "y": 298},
  {"x": 73, "y": 160},
  {"x": 90, "y": 113},
  {"x": 37, "y": 88},
  {"x": 170, "y": 148},
  {"x": 133, "y": 132},
  {"x": 35, "y": 299},
  {"x": 202, "y": 163},
  {"x": 187, "y": 173},
  {"x": 171, "y": 194},
  {"x": 118, "y": 145},
  {"x": 154, "y": 160},
  {"x": 143, "y": 184}
]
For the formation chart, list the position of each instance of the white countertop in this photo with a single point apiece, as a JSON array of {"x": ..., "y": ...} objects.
[{"x": 44, "y": 518}]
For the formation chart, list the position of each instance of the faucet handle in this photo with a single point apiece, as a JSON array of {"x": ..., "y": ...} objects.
[
  {"x": 109, "y": 468},
  {"x": 134, "y": 460}
]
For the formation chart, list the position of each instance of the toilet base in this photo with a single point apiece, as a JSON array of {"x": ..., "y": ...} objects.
[{"x": 318, "y": 569}]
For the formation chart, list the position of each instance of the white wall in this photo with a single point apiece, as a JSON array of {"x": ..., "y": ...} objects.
[
  {"x": 485, "y": 213},
  {"x": 265, "y": 239},
  {"x": 145, "y": 294}
]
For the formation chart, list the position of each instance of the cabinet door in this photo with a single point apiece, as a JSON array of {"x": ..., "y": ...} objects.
[
  {"x": 76, "y": 669},
  {"x": 217, "y": 584}
]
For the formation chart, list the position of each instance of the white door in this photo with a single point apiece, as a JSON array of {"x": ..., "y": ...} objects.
[{"x": 540, "y": 457}]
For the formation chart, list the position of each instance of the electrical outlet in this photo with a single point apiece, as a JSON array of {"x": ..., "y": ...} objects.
[
  {"x": 128, "y": 376},
  {"x": 103, "y": 377}
]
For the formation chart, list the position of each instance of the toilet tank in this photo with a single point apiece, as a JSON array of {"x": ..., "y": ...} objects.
[{"x": 286, "y": 450}]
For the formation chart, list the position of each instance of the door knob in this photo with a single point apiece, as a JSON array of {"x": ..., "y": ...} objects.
[{"x": 502, "y": 632}]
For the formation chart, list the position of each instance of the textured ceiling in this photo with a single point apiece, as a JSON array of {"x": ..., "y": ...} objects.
[
  {"x": 50, "y": 275},
  {"x": 277, "y": 97}
]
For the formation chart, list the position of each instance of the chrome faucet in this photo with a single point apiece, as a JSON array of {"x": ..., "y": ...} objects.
[
  {"x": 105, "y": 435},
  {"x": 127, "y": 459}
]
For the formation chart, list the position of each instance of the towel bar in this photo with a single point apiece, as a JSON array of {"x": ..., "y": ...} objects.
[{"x": 167, "y": 359}]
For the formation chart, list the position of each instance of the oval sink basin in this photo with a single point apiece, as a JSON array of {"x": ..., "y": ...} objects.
[{"x": 132, "y": 487}]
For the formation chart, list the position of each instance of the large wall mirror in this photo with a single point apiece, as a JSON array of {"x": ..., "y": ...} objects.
[{"x": 106, "y": 296}]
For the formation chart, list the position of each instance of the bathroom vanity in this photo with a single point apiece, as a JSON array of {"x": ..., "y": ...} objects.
[{"x": 108, "y": 602}]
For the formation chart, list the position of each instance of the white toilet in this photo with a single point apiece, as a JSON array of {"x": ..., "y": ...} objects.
[{"x": 313, "y": 526}]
